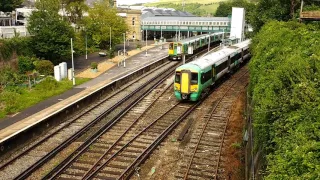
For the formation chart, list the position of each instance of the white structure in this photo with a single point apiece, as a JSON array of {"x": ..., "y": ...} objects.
[
  {"x": 57, "y": 73},
  {"x": 64, "y": 70},
  {"x": 22, "y": 15},
  {"x": 237, "y": 23},
  {"x": 9, "y": 31},
  {"x": 70, "y": 74}
]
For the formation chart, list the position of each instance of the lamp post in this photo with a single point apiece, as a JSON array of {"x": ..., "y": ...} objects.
[
  {"x": 146, "y": 42},
  {"x": 209, "y": 41},
  {"x": 86, "y": 46},
  {"x": 124, "y": 49},
  {"x": 110, "y": 38},
  {"x": 161, "y": 38},
  {"x": 73, "y": 78}
]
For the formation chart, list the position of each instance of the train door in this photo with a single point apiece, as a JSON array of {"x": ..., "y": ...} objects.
[
  {"x": 175, "y": 48},
  {"x": 229, "y": 63},
  {"x": 242, "y": 54},
  {"x": 213, "y": 74},
  {"x": 185, "y": 81}
]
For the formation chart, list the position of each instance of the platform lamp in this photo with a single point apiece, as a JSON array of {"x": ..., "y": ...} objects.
[
  {"x": 124, "y": 49},
  {"x": 73, "y": 78}
]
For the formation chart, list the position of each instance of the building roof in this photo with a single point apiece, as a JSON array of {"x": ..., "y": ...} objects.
[
  {"x": 154, "y": 12},
  {"x": 159, "y": 18}
]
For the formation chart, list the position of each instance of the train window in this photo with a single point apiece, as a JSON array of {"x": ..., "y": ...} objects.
[
  {"x": 171, "y": 46},
  {"x": 194, "y": 78},
  {"x": 178, "y": 77}
]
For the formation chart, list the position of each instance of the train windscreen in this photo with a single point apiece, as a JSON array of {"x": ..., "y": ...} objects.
[
  {"x": 178, "y": 77},
  {"x": 171, "y": 46},
  {"x": 194, "y": 78}
]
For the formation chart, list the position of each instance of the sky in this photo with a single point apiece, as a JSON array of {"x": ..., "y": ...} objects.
[{"x": 133, "y": 1}]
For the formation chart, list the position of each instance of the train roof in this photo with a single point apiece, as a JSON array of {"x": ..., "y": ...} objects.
[
  {"x": 217, "y": 57},
  {"x": 192, "y": 39}
]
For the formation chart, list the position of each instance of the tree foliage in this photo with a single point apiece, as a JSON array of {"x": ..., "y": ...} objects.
[
  {"x": 9, "y": 5},
  {"x": 285, "y": 88},
  {"x": 50, "y": 34},
  {"x": 225, "y": 8},
  {"x": 281, "y": 10},
  {"x": 15, "y": 45},
  {"x": 97, "y": 24},
  {"x": 75, "y": 10}
]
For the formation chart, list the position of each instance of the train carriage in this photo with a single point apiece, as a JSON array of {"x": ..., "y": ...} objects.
[
  {"x": 193, "y": 78},
  {"x": 176, "y": 49}
]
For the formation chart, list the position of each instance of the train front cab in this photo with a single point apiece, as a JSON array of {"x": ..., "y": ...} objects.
[
  {"x": 186, "y": 85},
  {"x": 175, "y": 50}
]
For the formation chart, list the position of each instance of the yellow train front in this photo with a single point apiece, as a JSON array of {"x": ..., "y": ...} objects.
[{"x": 175, "y": 51}]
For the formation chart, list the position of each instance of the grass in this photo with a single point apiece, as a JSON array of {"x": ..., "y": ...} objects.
[
  {"x": 212, "y": 8},
  {"x": 207, "y": 6},
  {"x": 15, "y": 99},
  {"x": 186, "y": 1}
]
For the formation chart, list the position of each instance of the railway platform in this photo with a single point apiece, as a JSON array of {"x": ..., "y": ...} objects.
[{"x": 30, "y": 117}]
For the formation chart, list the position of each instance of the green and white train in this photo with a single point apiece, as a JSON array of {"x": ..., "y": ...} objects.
[
  {"x": 193, "y": 78},
  {"x": 196, "y": 43}
]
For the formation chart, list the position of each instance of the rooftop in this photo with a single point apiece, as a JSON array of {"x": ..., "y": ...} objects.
[{"x": 159, "y": 18}]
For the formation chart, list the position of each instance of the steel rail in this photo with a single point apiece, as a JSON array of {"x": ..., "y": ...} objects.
[
  {"x": 72, "y": 121},
  {"x": 40, "y": 162},
  {"x": 205, "y": 125},
  {"x": 221, "y": 144},
  {"x": 117, "y": 141},
  {"x": 127, "y": 144},
  {"x": 58, "y": 170}
]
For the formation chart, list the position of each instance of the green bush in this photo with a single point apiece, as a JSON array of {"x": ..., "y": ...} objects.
[
  {"x": 25, "y": 64},
  {"x": 44, "y": 67},
  {"x": 111, "y": 53},
  {"x": 285, "y": 88},
  {"x": 8, "y": 76},
  {"x": 48, "y": 84},
  {"x": 94, "y": 65}
]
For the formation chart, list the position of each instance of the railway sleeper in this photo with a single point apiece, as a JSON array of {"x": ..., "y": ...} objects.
[
  {"x": 106, "y": 176},
  {"x": 74, "y": 172},
  {"x": 68, "y": 177},
  {"x": 111, "y": 170},
  {"x": 96, "y": 150},
  {"x": 129, "y": 154},
  {"x": 200, "y": 174}
]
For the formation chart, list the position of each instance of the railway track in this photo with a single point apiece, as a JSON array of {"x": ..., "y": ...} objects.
[
  {"x": 80, "y": 127},
  {"x": 203, "y": 160},
  {"x": 96, "y": 114},
  {"x": 112, "y": 152}
]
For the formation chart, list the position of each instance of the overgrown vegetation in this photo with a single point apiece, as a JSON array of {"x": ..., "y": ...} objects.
[
  {"x": 16, "y": 98},
  {"x": 285, "y": 89}
]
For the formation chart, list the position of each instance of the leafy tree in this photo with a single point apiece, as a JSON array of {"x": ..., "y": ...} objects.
[
  {"x": 75, "y": 10},
  {"x": 25, "y": 64},
  {"x": 97, "y": 24},
  {"x": 50, "y": 34},
  {"x": 9, "y": 5},
  {"x": 44, "y": 67},
  {"x": 285, "y": 88},
  {"x": 281, "y": 10},
  {"x": 225, "y": 8}
]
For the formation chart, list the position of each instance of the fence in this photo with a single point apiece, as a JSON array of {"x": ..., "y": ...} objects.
[
  {"x": 12, "y": 31},
  {"x": 254, "y": 158}
]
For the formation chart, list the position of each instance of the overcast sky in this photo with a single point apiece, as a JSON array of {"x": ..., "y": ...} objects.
[{"x": 133, "y": 1}]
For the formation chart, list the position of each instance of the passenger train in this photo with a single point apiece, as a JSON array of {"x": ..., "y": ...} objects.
[
  {"x": 196, "y": 43},
  {"x": 193, "y": 78}
]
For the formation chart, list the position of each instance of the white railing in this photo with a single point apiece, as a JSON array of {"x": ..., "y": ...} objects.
[{"x": 10, "y": 31}]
